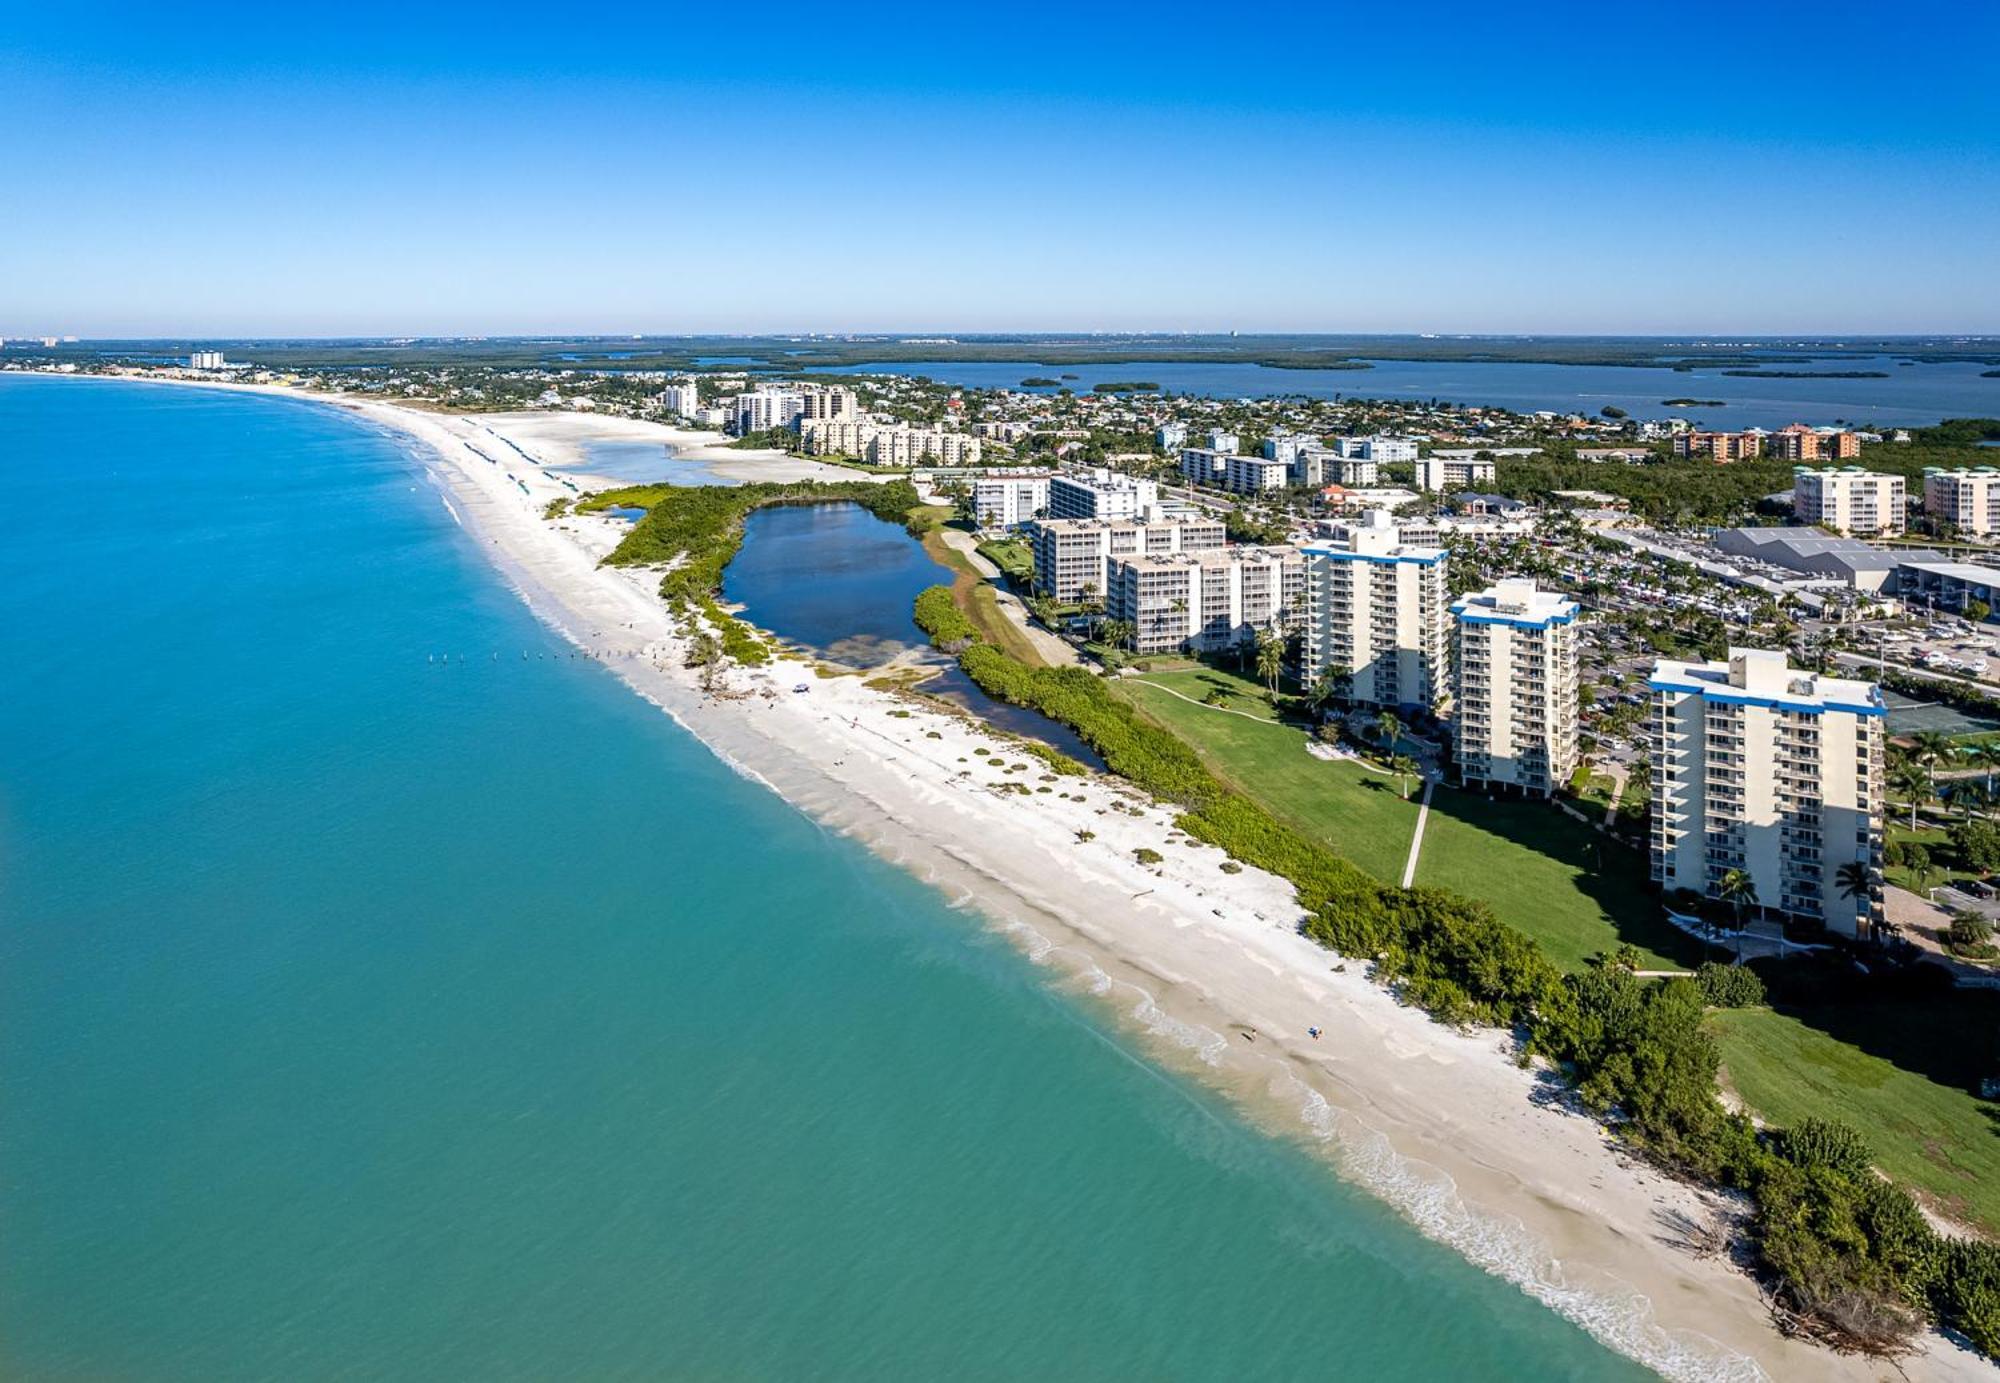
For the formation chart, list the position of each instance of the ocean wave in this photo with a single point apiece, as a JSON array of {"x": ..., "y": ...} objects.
[{"x": 1619, "y": 1317}]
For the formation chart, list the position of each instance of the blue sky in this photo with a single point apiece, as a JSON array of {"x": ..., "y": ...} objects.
[{"x": 374, "y": 169}]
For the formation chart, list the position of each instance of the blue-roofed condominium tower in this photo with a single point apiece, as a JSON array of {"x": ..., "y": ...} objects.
[
  {"x": 1774, "y": 771},
  {"x": 1514, "y": 711}
]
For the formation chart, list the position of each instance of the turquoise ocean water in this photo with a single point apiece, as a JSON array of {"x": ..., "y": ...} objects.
[{"x": 368, "y": 1016}]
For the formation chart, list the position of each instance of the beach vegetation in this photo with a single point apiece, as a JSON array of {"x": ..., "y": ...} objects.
[{"x": 1147, "y": 856}]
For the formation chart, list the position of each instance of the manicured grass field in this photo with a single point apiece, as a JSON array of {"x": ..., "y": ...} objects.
[
  {"x": 1355, "y": 811},
  {"x": 1928, "y": 1134},
  {"x": 1552, "y": 876},
  {"x": 1012, "y": 555}
]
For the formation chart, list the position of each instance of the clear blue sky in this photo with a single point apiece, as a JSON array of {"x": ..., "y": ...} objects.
[{"x": 437, "y": 168}]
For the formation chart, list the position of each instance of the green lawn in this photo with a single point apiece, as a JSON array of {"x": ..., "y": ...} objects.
[
  {"x": 1355, "y": 811},
  {"x": 1552, "y": 876},
  {"x": 1012, "y": 555},
  {"x": 1928, "y": 1134}
]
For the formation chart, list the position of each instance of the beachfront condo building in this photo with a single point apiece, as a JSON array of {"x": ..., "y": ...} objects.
[
  {"x": 827, "y": 403},
  {"x": 1376, "y": 612},
  {"x": 1252, "y": 475},
  {"x": 1208, "y": 601},
  {"x": 1967, "y": 498},
  {"x": 1849, "y": 501},
  {"x": 1101, "y": 494},
  {"x": 1774, "y": 771},
  {"x": 201, "y": 360},
  {"x": 681, "y": 397},
  {"x": 1801, "y": 443},
  {"x": 766, "y": 407},
  {"x": 1171, "y": 436},
  {"x": 888, "y": 444},
  {"x": 1377, "y": 449},
  {"x": 1720, "y": 446},
  {"x": 1073, "y": 556},
  {"x": 1011, "y": 499},
  {"x": 1453, "y": 471},
  {"x": 1514, "y": 706}
]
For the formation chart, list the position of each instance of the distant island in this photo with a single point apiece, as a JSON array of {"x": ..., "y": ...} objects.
[
  {"x": 1039, "y": 382},
  {"x": 1989, "y": 374},
  {"x": 1808, "y": 374},
  {"x": 1125, "y": 386},
  {"x": 1695, "y": 403}
]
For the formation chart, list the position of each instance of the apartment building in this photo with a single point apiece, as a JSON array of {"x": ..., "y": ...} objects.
[
  {"x": 766, "y": 407},
  {"x": 1377, "y": 449},
  {"x": 1221, "y": 441},
  {"x": 1774, "y": 771},
  {"x": 1206, "y": 601},
  {"x": 882, "y": 444},
  {"x": 1514, "y": 706},
  {"x": 200, "y": 360},
  {"x": 1352, "y": 472},
  {"x": 1249, "y": 475},
  {"x": 1073, "y": 556},
  {"x": 1376, "y": 615},
  {"x": 827, "y": 403},
  {"x": 1719, "y": 446},
  {"x": 1967, "y": 498},
  {"x": 1101, "y": 494},
  {"x": 1171, "y": 436},
  {"x": 1801, "y": 443},
  {"x": 1010, "y": 500},
  {"x": 682, "y": 397},
  {"x": 1286, "y": 446},
  {"x": 1453, "y": 471},
  {"x": 1204, "y": 465},
  {"x": 1848, "y": 500}
]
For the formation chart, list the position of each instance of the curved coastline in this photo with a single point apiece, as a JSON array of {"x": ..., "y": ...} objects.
[{"x": 1441, "y": 1125}]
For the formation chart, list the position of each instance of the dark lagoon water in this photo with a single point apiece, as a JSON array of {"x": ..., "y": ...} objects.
[
  {"x": 1912, "y": 395},
  {"x": 841, "y": 581}
]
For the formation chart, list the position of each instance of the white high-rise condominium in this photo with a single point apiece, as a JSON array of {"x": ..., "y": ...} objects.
[
  {"x": 1101, "y": 494},
  {"x": 1776, "y": 772},
  {"x": 205, "y": 360},
  {"x": 1375, "y": 616},
  {"x": 827, "y": 403},
  {"x": 767, "y": 407},
  {"x": 1207, "y": 601},
  {"x": 1073, "y": 556},
  {"x": 1437, "y": 472},
  {"x": 1248, "y": 475},
  {"x": 1967, "y": 498},
  {"x": 1514, "y": 709},
  {"x": 1007, "y": 501},
  {"x": 681, "y": 396},
  {"x": 1377, "y": 449},
  {"x": 1849, "y": 500}
]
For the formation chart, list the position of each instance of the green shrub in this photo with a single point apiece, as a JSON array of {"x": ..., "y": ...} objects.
[
  {"x": 1145, "y": 856},
  {"x": 1729, "y": 986}
]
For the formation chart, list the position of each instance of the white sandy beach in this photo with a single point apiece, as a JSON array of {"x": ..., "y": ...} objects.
[{"x": 1443, "y": 1125}]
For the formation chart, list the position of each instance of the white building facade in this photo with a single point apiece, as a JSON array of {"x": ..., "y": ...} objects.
[
  {"x": 1967, "y": 498},
  {"x": 1775, "y": 771},
  {"x": 1101, "y": 494},
  {"x": 1207, "y": 601},
  {"x": 1073, "y": 556},
  {"x": 1514, "y": 704},
  {"x": 1376, "y": 616},
  {"x": 1849, "y": 501}
]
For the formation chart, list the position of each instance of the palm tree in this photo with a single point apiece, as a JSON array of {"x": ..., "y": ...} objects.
[
  {"x": 1853, "y": 882},
  {"x": 1970, "y": 798},
  {"x": 1987, "y": 753},
  {"x": 1913, "y": 783},
  {"x": 1404, "y": 767},
  {"x": 1270, "y": 660},
  {"x": 1739, "y": 890},
  {"x": 1931, "y": 748},
  {"x": 1389, "y": 728}
]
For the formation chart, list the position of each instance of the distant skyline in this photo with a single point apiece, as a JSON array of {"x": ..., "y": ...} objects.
[{"x": 455, "y": 170}]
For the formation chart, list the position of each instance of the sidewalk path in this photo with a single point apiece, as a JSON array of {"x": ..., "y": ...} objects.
[{"x": 1417, "y": 840}]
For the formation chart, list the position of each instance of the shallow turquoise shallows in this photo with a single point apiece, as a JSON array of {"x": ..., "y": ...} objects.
[{"x": 368, "y": 1016}]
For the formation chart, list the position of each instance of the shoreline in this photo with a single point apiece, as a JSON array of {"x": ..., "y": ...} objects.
[{"x": 1442, "y": 1125}]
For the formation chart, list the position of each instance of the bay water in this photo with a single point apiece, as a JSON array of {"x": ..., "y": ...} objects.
[{"x": 386, "y": 993}]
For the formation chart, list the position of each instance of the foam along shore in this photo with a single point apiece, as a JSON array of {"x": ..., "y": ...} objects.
[{"x": 1442, "y": 1124}]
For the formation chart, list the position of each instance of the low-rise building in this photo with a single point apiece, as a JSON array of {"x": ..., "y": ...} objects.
[
  {"x": 1377, "y": 448},
  {"x": 1171, "y": 436},
  {"x": 1798, "y": 442},
  {"x": 1967, "y": 498},
  {"x": 1514, "y": 701},
  {"x": 1376, "y": 616},
  {"x": 1246, "y": 475},
  {"x": 1073, "y": 556},
  {"x": 1204, "y": 465},
  {"x": 1719, "y": 446},
  {"x": 1773, "y": 774},
  {"x": 1205, "y": 601},
  {"x": 1454, "y": 471},
  {"x": 1218, "y": 440}
]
